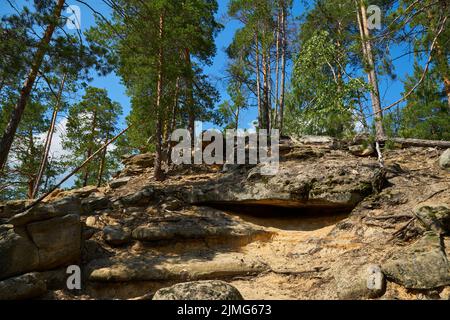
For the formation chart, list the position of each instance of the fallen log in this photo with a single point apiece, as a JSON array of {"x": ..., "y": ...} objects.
[{"x": 419, "y": 142}]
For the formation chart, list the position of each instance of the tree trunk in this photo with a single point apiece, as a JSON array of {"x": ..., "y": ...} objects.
[
  {"x": 283, "y": 64},
  {"x": 258, "y": 81},
  {"x": 371, "y": 73},
  {"x": 173, "y": 121},
  {"x": 277, "y": 69},
  {"x": 89, "y": 151},
  {"x": 31, "y": 153},
  {"x": 16, "y": 116},
  {"x": 266, "y": 76},
  {"x": 190, "y": 97},
  {"x": 48, "y": 140},
  {"x": 158, "y": 174},
  {"x": 101, "y": 168},
  {"x": 419, "y": 143}
]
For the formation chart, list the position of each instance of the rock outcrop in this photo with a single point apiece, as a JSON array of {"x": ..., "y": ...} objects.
[
  {"x": 328, "y": 225},
  {"x": 44, "y": 237}
]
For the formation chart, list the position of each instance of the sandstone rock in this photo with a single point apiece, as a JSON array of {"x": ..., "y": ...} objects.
[
  {"x": 434, "y": 216},
  {"x": 144, "y": 160},
  {"x": 42, "y": 211},
  {"x": 360, "y": 282},
  {"x": 209, "y": 224},
  {"x": 95, "y": 202},
  {"x": 88, "y": 232},
  {"x": 444, "y": 160},
  {"x": 26, "y": 286},
  {"x": 324, "y": 140},
  {"x": 58, "y": 240},
  {"x": 445, "y": 294},
  {"x": 172, "y": 204},
  {"x": 145, "y": 267},
  {"x": 199, "y": 290},
  {"x": 91, "y": 221},
  {"x": 55, "y": 279},
  {"x": 116, "y": 236},
  {"x": 422, "y": 265},
  {"x": 10, "y": 208},
  {"x": 139, "y": 198},
  {"x": 119, "y": 182},
  {"x": 361, "y": 150},
  {"x": 360, "y": 139},
  {"x": 312, "y": 184},
  {"x": 17, "y": 253}
]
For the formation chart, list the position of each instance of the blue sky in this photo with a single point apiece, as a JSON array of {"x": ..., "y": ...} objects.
[{"x": 390, "y": 90}]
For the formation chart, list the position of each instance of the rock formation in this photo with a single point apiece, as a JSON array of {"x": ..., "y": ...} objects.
[{"x": 325, "y": 227}]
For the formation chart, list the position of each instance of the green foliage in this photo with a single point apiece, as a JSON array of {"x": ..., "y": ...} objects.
[
  {"x": 189, "y": 28},
  {"x": 425, "y": 115},
  {"x": 321, "y": 102},
  {"x": 91, "y": 123}
]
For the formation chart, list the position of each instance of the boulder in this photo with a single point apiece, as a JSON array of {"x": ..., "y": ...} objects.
[
  {"x": 360, "y": 282},
  {"x": 42, "y": 211},
  {"x": 91, "y": 221},
  {"x": 18, "y": 254},
  {"x": 422, "y": 265},
  {"x": 116, "y": 236},
  {"x": 58, "y": 240},
  {"x": 434, "y": 216},
  {"x": 444, "y": 160},
  {"x": 26, "y": 286},
  {"x": 199, "y": 290}
]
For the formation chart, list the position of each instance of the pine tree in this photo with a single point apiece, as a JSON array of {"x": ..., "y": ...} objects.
[
  {"x": 165, "y": 73},
  {"x": 425, "y": 115},
  {"x": 91, "y": 123}
]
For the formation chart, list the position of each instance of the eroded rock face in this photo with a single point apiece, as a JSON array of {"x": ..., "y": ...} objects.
[
  {"x": 311, "y": 184},
  {"x": 58, "y": 240},
  {"x": 26, "y": 286},
  {"x": 40, "y": 245},
  {"x": 18, "y": 253},
  {"x": 422, "y": 265},
  {"x": 199, "y": 290}
]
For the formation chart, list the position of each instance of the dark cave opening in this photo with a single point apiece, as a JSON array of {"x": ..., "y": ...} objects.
[{"x": 285, "y": 215}]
